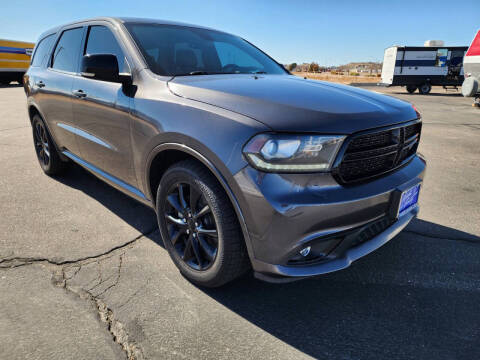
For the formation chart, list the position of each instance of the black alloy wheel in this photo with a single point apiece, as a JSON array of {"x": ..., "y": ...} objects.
[
  {"x": 191, "y": 226},
  {"x": 45, "y": 148},
  {"x": 199, "y": 226},
  {"x": 42, "y": 147}
]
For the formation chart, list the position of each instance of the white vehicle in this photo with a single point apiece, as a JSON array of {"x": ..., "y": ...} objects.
[
  {"x": 421, "y": 67},
  {"x": 470, "y": 87}
]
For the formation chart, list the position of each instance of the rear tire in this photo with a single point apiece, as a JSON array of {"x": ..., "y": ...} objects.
[
  {"x": 411, "y": 88},
  {"x": 199, "y": 227},
  {"x": 425, "y": 88},
  {"x": 46, "y": 149}
]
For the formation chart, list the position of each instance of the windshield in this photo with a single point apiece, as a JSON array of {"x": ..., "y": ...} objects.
[{"x": 173, "y": 50}]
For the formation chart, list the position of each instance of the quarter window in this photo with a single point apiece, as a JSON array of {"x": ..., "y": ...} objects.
[
  {"x": 42, "y": 50},
  {"x": 102, "y": 41},
  {"x": 65, "y": 56}
]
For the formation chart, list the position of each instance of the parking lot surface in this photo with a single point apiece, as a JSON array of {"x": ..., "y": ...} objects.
[{"x": 84, "y": 275}]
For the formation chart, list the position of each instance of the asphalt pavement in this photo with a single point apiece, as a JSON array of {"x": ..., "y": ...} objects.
[{"x": 84, "y": 274}]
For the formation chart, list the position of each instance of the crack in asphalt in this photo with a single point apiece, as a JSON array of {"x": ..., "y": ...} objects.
[
  {"x": 61, "y": 279},
  {"x": 18, "y": 261},
  {"x": 115, "y": 327},
  {"x": 471, "y": 241},
  {"x": 120, "y": 261},
  {"x": 135, "y": 294}
]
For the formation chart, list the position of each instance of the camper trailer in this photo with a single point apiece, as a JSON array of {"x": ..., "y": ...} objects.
[
  {"x": 421, "y": 67},
  {"x": 14, "y": 60},
  {"x": 470, "y": 86}
]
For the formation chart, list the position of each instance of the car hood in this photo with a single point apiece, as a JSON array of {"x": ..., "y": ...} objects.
[{"x": 290, "y": 103}]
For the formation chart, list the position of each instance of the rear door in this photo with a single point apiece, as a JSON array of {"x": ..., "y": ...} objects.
[
  {"x": 54, "y": 88},
  {"x": 102, "y": 112}
]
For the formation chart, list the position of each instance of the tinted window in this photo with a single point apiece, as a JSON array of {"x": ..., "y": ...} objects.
[
  {"x": 102, "y": 41},
  {"x": 229, "y": 54},
  {"x": 180, "y": 50},
  {"x": 42, "y": 51},
  {"x": 67, "y": 50}
]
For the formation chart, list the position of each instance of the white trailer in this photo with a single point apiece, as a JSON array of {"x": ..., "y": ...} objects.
[{"x": 421, "y": 67}]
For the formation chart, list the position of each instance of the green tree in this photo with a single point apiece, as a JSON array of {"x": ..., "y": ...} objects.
[{"x": 292, "y": 66}]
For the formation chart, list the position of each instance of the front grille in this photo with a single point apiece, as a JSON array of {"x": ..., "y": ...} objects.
[{"x": 378, "y": 152}]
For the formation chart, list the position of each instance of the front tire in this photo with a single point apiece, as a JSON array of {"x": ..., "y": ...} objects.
[
  {"x": 199, "y": 227},
  {"x": 45, "y": 148}
]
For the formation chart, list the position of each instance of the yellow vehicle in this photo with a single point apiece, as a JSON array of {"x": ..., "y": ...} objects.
[{"x": 14, "y": 60}]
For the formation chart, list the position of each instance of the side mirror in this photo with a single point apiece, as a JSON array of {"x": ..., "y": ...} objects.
[{"x": 103, "y": 67}]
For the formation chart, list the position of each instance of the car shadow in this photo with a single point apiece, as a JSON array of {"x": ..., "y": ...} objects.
[
  {"x": 136, "y": 214},
  {"x": 415, "y": 297},
  {"x": 386, "y": 305}
]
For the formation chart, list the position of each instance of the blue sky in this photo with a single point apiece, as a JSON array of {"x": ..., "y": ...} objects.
[{"x": 328, "y": 32}]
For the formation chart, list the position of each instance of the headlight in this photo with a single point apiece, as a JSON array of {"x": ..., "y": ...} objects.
[{"x": 292, "y": 153}]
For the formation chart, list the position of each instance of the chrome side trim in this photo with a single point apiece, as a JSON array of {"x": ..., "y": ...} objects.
[
  {"x": 105, "y": 175},
  {"x": 85, "y": 135}
]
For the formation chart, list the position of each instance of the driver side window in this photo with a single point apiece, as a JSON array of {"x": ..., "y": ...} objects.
[{"x": 101, "y": 41}]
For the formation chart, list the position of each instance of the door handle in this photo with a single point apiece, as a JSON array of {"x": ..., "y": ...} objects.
[
  {"x": 40, "y": 84},
  {"x": 79, "y": 93}
]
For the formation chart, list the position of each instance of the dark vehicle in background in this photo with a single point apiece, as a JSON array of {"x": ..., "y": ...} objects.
[{"x": 246, "y": 165}]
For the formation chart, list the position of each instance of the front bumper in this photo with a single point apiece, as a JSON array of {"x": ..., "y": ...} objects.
[
  {"x": 285, "y": 213},
  {"x": 276, "y": 273}
]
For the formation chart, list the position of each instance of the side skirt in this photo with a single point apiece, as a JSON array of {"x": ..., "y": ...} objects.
[{"x": 114, "y": 181}]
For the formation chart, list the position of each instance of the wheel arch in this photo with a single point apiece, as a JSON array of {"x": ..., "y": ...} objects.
[
  {"x": 166, "y": 154},
  {"x": 32, "y": 111}
]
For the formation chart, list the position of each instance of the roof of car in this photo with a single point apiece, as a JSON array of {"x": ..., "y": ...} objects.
[{"x": 122, "y": 20}]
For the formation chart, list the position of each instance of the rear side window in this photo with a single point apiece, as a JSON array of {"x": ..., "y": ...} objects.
[
  {"x": 102, "y": 41},
  {"x": 43, "y": 50},
  {"x": 65, "y": 56}
]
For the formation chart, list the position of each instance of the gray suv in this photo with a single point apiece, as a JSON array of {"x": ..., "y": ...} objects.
[{"x": 246, "y": 165}]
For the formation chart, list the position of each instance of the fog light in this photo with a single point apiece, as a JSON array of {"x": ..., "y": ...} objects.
[{"x": 304, "y": 252}]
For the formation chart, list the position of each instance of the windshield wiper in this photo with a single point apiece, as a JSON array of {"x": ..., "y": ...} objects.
[
  {"x": 199, "y": 73},
  {"x": 259, "y": 72}
]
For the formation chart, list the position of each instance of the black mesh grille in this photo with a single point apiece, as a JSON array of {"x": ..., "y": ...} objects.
[
  {"x": 371, "y": 141},
  {"x": 376, "y": 153}
]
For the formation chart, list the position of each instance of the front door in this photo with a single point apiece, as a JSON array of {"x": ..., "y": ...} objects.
[{"x": 101, "y": 113}]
